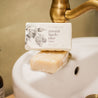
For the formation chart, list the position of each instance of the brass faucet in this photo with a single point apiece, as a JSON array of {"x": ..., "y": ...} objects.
[{"x": 60, "y": 10}]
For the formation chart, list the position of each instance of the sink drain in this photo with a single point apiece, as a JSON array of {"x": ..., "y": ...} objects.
[{"x": 76, "y": 70}]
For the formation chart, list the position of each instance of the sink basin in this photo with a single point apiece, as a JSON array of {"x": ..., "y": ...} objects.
[{"x": 78, "y": 79}]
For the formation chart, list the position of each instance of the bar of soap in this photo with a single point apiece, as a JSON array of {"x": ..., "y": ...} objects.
[
  {"x": 48, "y": 36},
  {"x": 49, "y": 62}
]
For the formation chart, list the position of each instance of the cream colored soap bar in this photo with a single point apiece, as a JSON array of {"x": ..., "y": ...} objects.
[
  {"x": 49, "y": 61},
  {"x": 48, "y": 36}
]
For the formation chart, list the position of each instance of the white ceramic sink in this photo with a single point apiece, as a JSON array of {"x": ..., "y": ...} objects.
[{"x": 64, "y": 83}]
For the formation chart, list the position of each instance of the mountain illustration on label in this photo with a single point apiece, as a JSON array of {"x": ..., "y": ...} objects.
[
  {"x": 40, "y": 39},
  {"x": 35, "y": 33}
]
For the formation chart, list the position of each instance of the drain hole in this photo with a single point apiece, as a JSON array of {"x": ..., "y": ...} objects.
[{"x": 76, "y": 70}]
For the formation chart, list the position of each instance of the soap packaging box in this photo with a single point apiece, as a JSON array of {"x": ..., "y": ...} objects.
[{"x": 48, "y": 36}]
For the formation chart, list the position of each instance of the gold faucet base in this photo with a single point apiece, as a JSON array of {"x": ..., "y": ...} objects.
[{"x": 60, "y": 10}]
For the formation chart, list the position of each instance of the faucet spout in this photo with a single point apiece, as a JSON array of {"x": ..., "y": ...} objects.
[
  {"x": 91, "y": 4},
  {"x": 60, "y": 10}
]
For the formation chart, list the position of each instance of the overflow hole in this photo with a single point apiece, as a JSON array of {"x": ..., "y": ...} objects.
[{"x": 76, "y": 70}]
